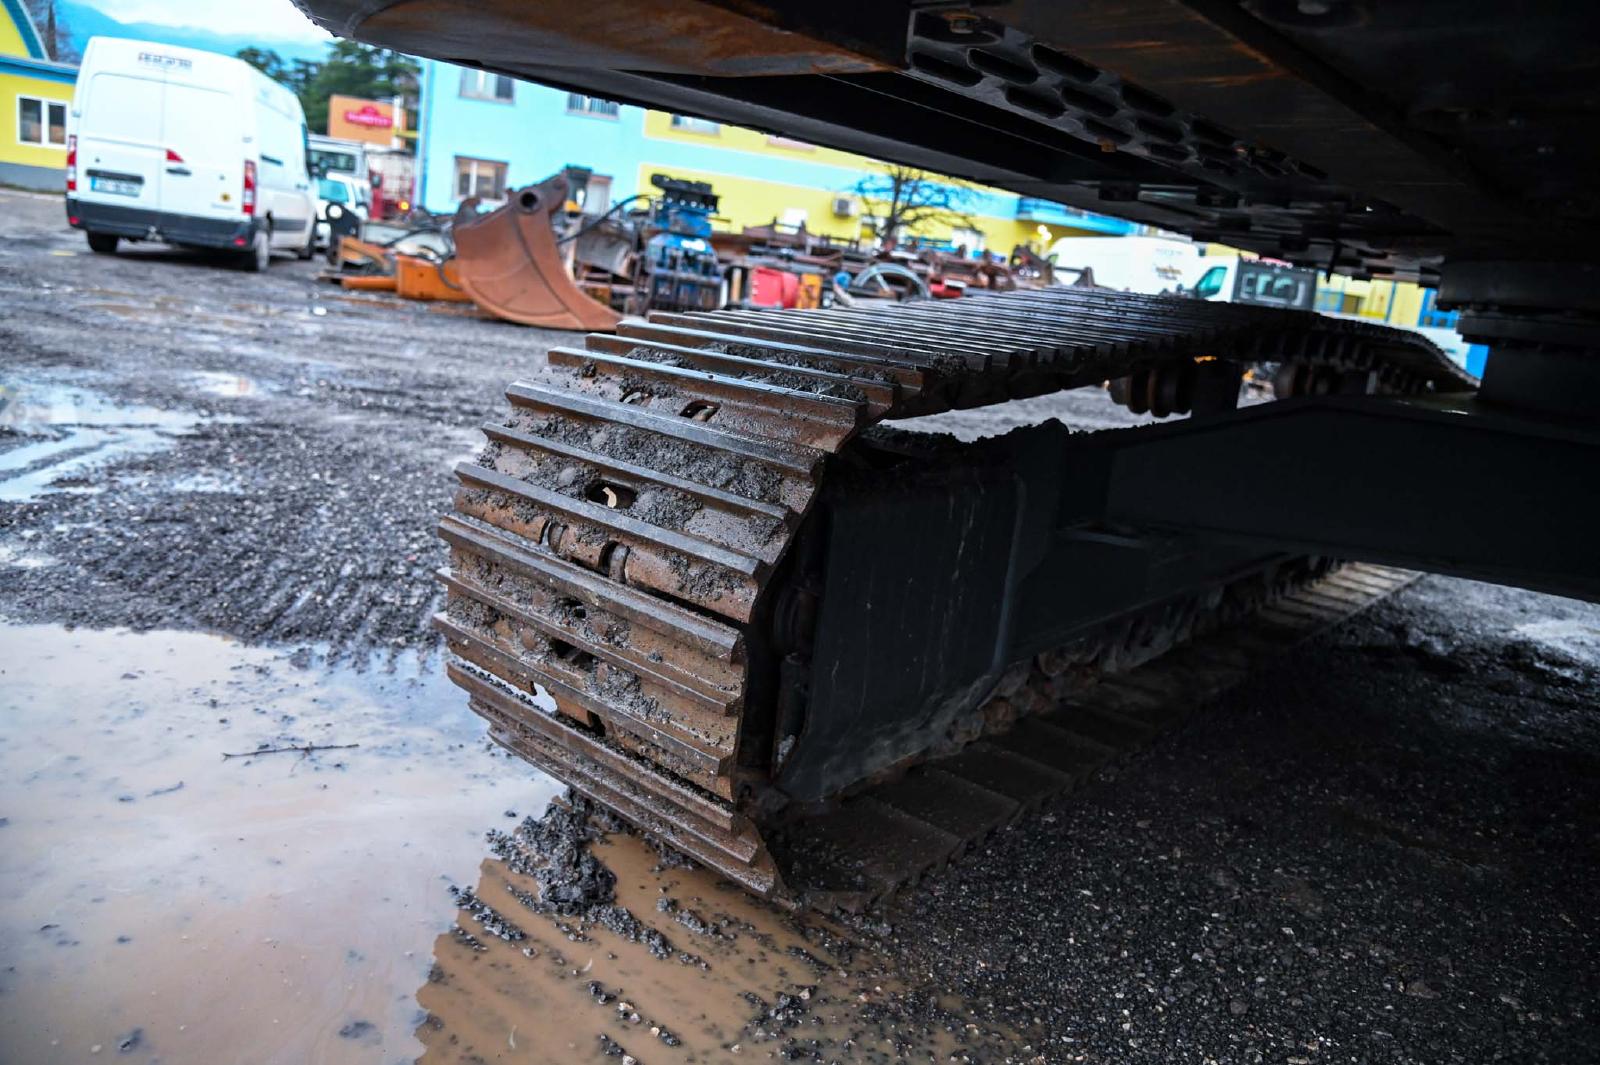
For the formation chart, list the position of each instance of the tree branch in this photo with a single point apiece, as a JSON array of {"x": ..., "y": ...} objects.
[{"x": 307, "y": 749}]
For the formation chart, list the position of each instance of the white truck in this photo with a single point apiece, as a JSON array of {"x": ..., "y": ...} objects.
[
  {"x": 332, "y": 155},
  {"x": 1262, "y": 282},
  {"x": 1155, "y": 265},
  {"x": 1150, "y": 265},
  {"x": 187, "y": 147}
]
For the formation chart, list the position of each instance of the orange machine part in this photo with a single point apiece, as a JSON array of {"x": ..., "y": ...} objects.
[
  {"x": 369, "y": 282},
  {"x": 423, "y": 279},
  {"x": 512, "y": 267}
]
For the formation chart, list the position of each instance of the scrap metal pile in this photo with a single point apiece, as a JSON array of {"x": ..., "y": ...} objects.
[
  {"x": 539, "y": 259},
  {"x": 748, "y": 599}
]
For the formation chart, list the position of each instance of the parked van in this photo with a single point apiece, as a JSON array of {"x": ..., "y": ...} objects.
[{"x": 188, "y": 147}]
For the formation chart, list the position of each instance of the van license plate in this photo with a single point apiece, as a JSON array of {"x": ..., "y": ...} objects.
[{"x": 121, "y": 188}]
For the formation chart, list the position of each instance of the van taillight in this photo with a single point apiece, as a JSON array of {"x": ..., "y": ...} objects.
[
  {"x": 72, "y": 163},
  {"x": 248, "y": 200}
]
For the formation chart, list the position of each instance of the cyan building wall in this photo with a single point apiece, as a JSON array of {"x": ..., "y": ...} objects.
[{"x": 534, "y": 134}]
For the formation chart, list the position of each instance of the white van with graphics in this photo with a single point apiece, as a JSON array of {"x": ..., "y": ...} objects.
[{"x": 188, "y": 147}]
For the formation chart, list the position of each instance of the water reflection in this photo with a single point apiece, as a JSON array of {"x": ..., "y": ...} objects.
[
  {"x": 277, "y": 908},
  {"x": 66, "y": 434},
  {"x": 744, "y": 981}
]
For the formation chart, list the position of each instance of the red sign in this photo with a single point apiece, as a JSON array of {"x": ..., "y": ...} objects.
[{"x": 368, "y": 115}]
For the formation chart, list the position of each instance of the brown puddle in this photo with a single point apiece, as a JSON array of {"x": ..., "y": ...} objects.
[
  {"x": 290, "y": 908},
  {"x": 277, "y": 908},
  {"x": 744, "y": 981}
]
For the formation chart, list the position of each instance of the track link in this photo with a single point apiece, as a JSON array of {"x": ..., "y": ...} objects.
[{"x": 613, "y": 547}]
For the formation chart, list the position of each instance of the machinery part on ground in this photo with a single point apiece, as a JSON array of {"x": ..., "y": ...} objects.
[
  {"x": 984, "y": 272},
  {"x": 354, "y": 257},
  {"x": 511, "y": 265},
  {"x": 889, "y": 281},
  {"x": 341, "y": 222},
  {"x": 678, "y": 269},
  {"x": 746, "y": 602},
  {"x": 417, "y": 278}
]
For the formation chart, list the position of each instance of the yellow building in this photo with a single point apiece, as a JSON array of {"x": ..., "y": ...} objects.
[
  {"x": 762, "y": 178},
  {"x": 1394, "y": 302},
  {"x": 35, "y": 93}
]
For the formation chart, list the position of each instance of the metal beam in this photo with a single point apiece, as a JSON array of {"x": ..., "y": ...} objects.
[{"x": 1447, "y": 485}]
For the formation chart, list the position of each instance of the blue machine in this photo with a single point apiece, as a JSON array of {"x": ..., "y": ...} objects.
[{"x": 680, "y": 271}]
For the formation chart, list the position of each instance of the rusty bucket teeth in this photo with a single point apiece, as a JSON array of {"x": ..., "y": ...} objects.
[
  {"x": 613, "y": 547},
  {"x": 511, "y": 266}
]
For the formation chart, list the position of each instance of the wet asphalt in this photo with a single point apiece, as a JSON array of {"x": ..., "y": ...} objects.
[{"x": 1384, "y": 848}]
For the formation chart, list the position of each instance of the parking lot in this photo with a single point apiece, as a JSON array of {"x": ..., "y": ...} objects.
[{"x": 217, "y": 494}]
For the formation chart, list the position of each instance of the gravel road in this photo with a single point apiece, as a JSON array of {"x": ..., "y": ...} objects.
[
  {"x": 1383, "y": 848},
  {"x": 304, "y": 439}
]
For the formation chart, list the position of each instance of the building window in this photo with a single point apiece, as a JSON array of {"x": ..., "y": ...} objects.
[
  {"x": 482, "y": 85},
  {"x": 482, "y": 178},
  {"x": 42, "y": 122},
  {"x": 690, "y": 124},
  {"x": 577, "y": 103}
]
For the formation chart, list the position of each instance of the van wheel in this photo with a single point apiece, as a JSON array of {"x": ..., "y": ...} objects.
[
  {"x": 260, "y": 253},
  {"x": 309, "y": 248},
  {"x": 103, "y": 243}
]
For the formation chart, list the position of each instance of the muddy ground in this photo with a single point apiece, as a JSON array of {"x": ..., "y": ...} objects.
[{"x": 1381, "y": 849}]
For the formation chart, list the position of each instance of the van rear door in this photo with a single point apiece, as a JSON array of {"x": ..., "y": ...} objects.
[
  {"x": 205, "y": 132},
  {"x": 121, "y": 157}
]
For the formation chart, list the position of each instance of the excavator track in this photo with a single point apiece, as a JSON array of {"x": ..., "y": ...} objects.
[{"x": 618, "y": 551}]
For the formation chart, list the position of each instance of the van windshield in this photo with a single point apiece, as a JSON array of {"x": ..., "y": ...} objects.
[
  {"x": 333, "y": 191},
  {"x": 120, "y": 107}
]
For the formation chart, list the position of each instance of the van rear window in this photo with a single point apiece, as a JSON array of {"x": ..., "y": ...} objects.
[{"x": 121, "y": 107}]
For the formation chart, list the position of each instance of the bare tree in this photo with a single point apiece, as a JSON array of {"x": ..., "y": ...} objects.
[
  {"x": 54, "y": 33},
  {"x": 905, "y": 199}
]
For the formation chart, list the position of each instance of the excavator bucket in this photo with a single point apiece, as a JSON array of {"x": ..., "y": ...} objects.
[{"x": 511, "y": 265}]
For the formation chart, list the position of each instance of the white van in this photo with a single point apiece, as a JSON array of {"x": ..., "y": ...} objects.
[
  {"x": 187, "y": 147},
  {"x": 1151, "y": 265}
]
